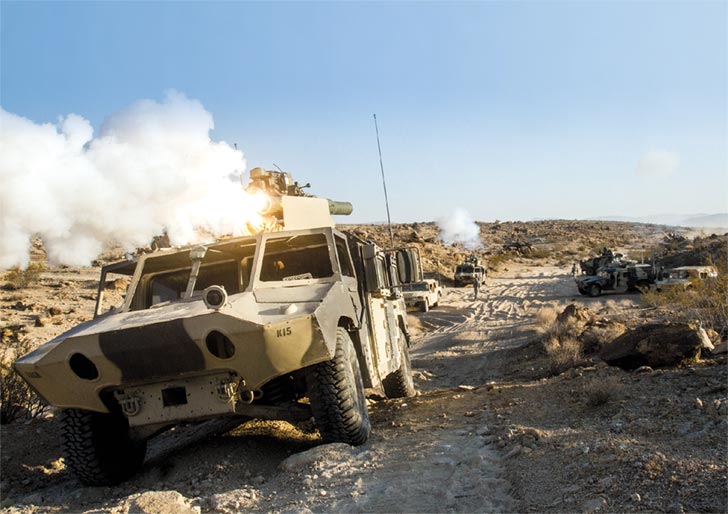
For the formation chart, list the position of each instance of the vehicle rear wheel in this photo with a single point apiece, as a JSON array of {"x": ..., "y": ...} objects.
[
  {"x": 399, "y": 384},
  {"x": 594, "y": 290},
  {"x": 97, "y": 447},
  {"x": 336, "y": 391}
]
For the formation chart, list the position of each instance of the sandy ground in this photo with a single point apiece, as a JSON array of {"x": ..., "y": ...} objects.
[{"x": 490, "y": 431}]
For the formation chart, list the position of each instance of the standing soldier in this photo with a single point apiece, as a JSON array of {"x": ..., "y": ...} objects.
[{"x": 476, "y": 285}]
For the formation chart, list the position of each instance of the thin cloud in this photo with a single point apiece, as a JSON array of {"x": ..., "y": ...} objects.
[{"x": 658, "y": 163}]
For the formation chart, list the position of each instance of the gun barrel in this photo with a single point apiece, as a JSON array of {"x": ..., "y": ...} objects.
[{"x": 340, "y": 208}]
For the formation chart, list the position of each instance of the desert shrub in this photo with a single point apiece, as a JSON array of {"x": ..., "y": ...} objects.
[
  {"x": 17, "y": 278},
  {"x": 497, "y": 260},
  {"x": 564, "y": 353},
  {"x": 16, "y": 398},
  {"x": 538, "y": 253},
  {"x": 705, "y": 301},
  {"x": 545, "y": 318},
  {"x": 600, "y": 390}
]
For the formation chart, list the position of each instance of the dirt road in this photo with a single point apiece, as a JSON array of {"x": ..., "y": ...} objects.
[{"x": 436, "y": 452}]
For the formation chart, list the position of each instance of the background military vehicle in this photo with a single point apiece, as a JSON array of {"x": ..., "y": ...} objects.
[
  {"x": 683, "y": 277},
  {"x": 287, "y": 324},
  {"x": 592, "y": 265},
  {"x": 466, "y": 270},
  {"x": 616, "y": 279},
  {"x": 417, "y": 290}
]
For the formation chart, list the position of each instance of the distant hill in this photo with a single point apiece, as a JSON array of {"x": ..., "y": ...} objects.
[{"x": 719, "y": 220}]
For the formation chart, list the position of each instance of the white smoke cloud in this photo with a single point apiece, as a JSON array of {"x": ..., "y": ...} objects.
[
  {"x": 152, "y": 168},
  {"x": 459, "y": 227},
  {"x": 658, "y": 163}
]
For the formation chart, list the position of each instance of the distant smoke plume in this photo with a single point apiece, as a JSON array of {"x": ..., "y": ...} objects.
[
  {"x": 151, "y": 169},
  {"x": 658, "y": 163},
  {"x": 460, "y": 228}
]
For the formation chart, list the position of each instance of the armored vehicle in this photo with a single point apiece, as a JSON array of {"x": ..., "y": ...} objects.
[
  {"x": 607, "y": 257},
  {"x": 417, "y": 290},
  {"x": 291, "y": 323},
  {"x": 616, "y": 279},
  {"x": 684, "y": 277},
  {"x": 469, "y": 269}
]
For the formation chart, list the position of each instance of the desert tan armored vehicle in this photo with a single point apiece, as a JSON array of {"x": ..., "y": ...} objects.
[
  {"x": 284, "y": 324},
  {"x": 468, "y": 270},
  {"x": 418, "y": 291},
  {"x": 684, "y": 277}
]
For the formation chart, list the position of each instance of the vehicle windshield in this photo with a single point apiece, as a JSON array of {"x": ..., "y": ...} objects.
[
  {"x": 678, "y": 274},
  {"x": 415, "y": 287},
  {"x": 299, "y": 257},
  {"x": 165, "y": 276}
]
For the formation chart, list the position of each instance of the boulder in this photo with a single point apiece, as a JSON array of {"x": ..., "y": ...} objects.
[
  {"x": 654, "y": 345},
  {"x": 600, "y": 333},
  {"x": 574, "y": 313}
]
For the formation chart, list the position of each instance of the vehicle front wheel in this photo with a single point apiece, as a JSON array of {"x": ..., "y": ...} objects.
[
  {"x": 595, "y": 290},
  {"x": 97, "y": 447},
  {"x": 425, "y": 305},
  {"x": 399, "y": 383},
  {"x": 336, "y": 391}
]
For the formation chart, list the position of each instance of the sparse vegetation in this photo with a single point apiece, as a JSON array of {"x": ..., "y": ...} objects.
[
  {"x": 704, "y": 301},
  {"x": 545, "y": 318},
  {"x": 600, "y": 390},
  {"x": 564, "y": 353},
  {"x": 16, "y": 398},
  {"x": 17, "y": 278}
]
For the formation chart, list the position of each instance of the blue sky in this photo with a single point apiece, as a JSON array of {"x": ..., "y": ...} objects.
[{"x": 510, "y": 110}]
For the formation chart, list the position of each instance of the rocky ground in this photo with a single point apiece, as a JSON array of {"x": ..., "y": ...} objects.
[{"x": 494, "y": 427}]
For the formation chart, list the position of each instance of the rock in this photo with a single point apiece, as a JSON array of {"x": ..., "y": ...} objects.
[
  {"x": 483, "y": 431},
  {"x": 646, "y": 370},
  {"x": 606, "y": 482},
  {"x": 162, "y": 502},
  {"x": 575, "y": 313},
  {"x": 600, "y": 333},
  {"x": 676, "y": 508},
  {"x": 514, "y": 451},
  {"x": 705, "y": 340},
  {"x": 595, "y": 505},
  {"x": 55, "y": 311},
  {"x": 654, "y": 345},
  {"x": 333, "y": 451},
  {"x": 120, "y": 284},
  {"x": 635, "y": 497},
  {"x": 720, "y": 348},
  {"x": 32, "y": 499},
  {"x": 40, "y": 321}
]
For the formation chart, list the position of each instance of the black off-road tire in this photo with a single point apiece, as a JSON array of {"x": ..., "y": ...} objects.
[
  {"x": 595, "y": 290},
  {"x": 425, "y": 305},
  {"x": 97, "y": 447},
  {"x": 336, "y": 391},
  {"x": 399, "y": 384}
]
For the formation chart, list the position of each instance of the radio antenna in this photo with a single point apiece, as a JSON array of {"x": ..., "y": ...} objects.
[{"x": 384, "y": 183}]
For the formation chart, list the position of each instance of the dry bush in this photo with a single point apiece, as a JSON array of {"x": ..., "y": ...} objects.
[
  {"x": 18, "y": 278},
  {"x": 545, "y": 318},
  {"x": 601, "y": 389},
  {"x": 538, "y": 253},
  {"x": 16, "y": 398},
  {"x": 497, "y": 260},
  {"x": 563, "y": 353},
  {"x": 570, "y": 328},
  {"x": 704, "y": 301}
]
